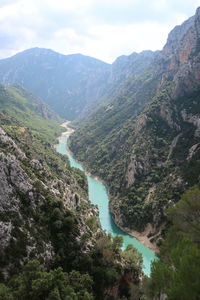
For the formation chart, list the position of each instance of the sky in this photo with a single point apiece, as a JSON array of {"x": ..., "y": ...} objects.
[{"x": 104, "y": 29}]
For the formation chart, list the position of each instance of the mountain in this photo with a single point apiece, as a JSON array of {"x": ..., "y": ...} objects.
[
  {"x": 30, "y": 185},
  {"x": 122, "y": 73},
  {"x": 145, "y": 142},
  {"x": 140, "y": 133},
  {"x": 66, "y": 82},
  {"x": 52, "y": 246},
  {"x": 28, "y": 109},
  {"x": 73, "y": 85},
  {"x": 25, "y": 101},
  {"x": 132, "y": 65}
]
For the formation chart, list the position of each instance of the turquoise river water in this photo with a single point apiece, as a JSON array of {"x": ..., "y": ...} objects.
[{"x": 98, "y": 195}]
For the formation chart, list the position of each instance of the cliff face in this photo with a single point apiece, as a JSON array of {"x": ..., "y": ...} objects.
[
  {"x": 179, "y": 60},
  {"x": 41, "y": 197},
  {"x": 17, "y": 192},
  {"x": 145, "y": 143},
  {"x": 52, "y": 245}
]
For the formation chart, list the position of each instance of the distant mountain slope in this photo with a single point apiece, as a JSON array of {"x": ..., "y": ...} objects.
[
  {"x": 23, "y": 106},
  {"x": 123, "y": 73},
  {"x": 25, "y": 100},
  {"x": 66, "y": 82},
  {"x": 146, "y": 143},
  {"x": 52, "y": 246},
  {"x": 70, "y": 84}
]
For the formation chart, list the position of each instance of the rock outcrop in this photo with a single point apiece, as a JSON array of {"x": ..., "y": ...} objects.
[
  {"x": 147, "y": 138},
  {"x": 26, "y": 184},
  {"x": 179, "y": 61}
]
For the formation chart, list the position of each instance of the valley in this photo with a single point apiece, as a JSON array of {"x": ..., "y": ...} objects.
[
  {"x": 98, "y": 195},
  {"x": 107, "y": 205},
  {"x": 135, "y": 143}
]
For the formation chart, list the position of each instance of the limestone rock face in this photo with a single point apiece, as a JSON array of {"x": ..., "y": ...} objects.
[
  {"x": 193, "y": 119},
  {"x": 179, "y": 61},
  {"x": 9, "y": 172},
  {"x": 11, "y": 145},
  {"x": 15, "y": 188},
  {"x": 147, "y": 138},
  {"x": 5, "y": 233},
  {"x": 25, "y": 185}
]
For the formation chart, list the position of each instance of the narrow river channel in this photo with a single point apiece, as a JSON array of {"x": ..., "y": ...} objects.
[{"x": 99, "y": 196}]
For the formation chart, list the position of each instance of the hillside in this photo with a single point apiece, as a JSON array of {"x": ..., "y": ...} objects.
[
  {"x": 71, "y": 84},
  {"x": 66, "y": 82},
  {"x": 137, "y": 128},
  {"x": 30, "y": 182},
  {"x": 145, "y": 142},
  {"x": 52, "y": 246},
  {"x": 26, "y": 108}
]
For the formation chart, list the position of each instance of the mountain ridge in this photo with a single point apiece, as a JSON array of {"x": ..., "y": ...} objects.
[
  {"x": 55, "y": 77},
  {"x": 70, "y": 84},
  {"x": 52, "y": 245},
  {"x": 142, "y": 136},
  {"x": 133, "y": 142}
]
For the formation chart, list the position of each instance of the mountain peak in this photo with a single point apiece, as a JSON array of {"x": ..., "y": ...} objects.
[
  {"x": 37, "y": 51},
  {"x": 66, "y": 82}
]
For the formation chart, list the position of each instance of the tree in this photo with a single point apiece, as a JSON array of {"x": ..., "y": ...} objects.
[
  {"x": 177, "y": 273},
  {"x": 5, "y": 293},
  {"x": 36, "y": 283}
]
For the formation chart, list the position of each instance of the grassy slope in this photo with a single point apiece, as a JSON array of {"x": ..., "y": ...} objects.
[
  {"x": 109, "y": 142},
  {"x": 25, "y": 111}
]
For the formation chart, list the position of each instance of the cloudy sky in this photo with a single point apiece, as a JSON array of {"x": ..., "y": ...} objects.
[{"x": 104, "y": 29}]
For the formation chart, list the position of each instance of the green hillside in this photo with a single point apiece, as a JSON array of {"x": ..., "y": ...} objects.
[
  {"x": 67, "y": 83},
  {"x": 145, "y": 143},
  {"x": 29, "y": 111},
  {"x": 52, "y": 244}
]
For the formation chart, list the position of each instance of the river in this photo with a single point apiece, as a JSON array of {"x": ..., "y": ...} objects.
[{"x": 98, "y": 195}]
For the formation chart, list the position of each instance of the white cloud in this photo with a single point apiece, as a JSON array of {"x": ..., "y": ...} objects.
[
  {"x": 108, "y": 43},
  {"x": 160, "y": 5},
  {"x": 100, "y": 28},
  {"x": 68, "y": 6}
]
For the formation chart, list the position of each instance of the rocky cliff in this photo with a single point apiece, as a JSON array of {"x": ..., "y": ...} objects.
[
  {"x": 52, "y": 246},
  {"x": 179, "y": 59},
  {"x": 41, "y": 197},
  {"x": 145, "y": 143}
]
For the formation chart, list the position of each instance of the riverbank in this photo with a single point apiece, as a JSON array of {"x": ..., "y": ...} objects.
[
  {"x": 99, "y": 196},
  {"x": 68, "y": 132},
  {"x": 69, "y": 129},
  {"x": 140, "y": 236}
]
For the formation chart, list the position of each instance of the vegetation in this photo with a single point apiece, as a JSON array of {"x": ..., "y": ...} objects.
[
  {"x": 149, "y": 146},
  {"x": 143, "y": 140},
  {"x": 66, "y": 82},
  {"x": 176, "y": 274},
  {"x": 55, "y": 249},
  {"x": 35, "y": 283},
  {"x": 30, "y": 112}
]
